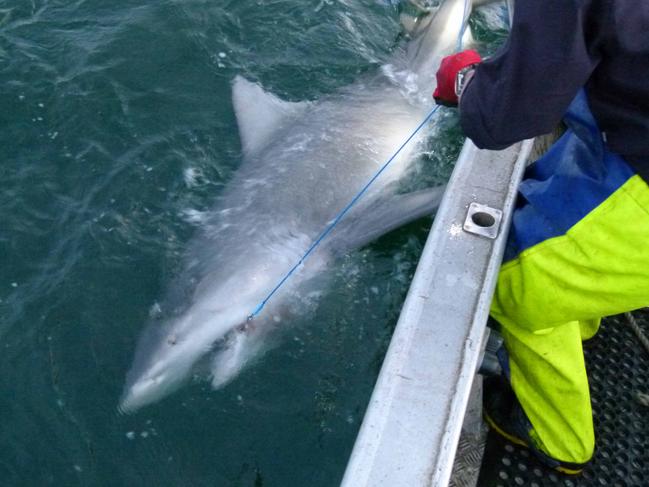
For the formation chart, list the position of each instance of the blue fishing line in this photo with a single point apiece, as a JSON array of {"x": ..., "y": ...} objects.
[
  {"x": 341, "y": 215},
  {"x": 358, "y": 196}
]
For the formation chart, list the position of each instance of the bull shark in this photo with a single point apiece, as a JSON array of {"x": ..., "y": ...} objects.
[{"x": 302, "y": 164}]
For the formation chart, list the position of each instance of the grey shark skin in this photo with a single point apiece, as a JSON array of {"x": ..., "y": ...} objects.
[{"x": 303, "y": 163}]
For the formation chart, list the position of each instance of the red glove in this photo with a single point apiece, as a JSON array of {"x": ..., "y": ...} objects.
[{"x": 447, "y": 76}]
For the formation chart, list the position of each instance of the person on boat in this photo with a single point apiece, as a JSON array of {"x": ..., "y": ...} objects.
[{"x": 578, "y": 247}]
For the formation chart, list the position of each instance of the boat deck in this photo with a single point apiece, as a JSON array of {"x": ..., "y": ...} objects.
[{"x": 618, "y": 369}]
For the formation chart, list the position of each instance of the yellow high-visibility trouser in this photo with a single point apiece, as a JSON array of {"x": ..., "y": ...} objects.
[{"x": 553, "y": 294}]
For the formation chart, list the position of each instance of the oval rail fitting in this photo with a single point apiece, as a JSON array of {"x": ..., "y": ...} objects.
[{"x": 483, "y": 220}]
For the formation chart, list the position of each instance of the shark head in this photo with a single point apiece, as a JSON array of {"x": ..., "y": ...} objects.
[
  {"x": 152, "y": 385},
  {"x": 186, "y": 343},
  {"x": 168, "y": 354}
]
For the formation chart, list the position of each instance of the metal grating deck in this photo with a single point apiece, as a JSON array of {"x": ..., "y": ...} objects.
[{"x": 618, "y": 368}]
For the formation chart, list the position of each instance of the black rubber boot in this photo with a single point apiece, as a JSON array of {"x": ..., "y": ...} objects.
[{"x": 504, "y": 415}]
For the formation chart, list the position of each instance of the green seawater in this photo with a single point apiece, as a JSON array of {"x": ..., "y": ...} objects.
[{"x": 116, "y": 125}]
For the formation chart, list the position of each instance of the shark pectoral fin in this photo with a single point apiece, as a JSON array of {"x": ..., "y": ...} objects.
[
  {"x": 228, "y": 362},
  {"x": 259, "y": 113},
  {"x": 369, "y": 223}
]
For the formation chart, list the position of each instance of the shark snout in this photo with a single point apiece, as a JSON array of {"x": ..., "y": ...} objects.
[{"x": 143, "y": 392}]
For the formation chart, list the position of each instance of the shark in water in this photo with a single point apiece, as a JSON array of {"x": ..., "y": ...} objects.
[{"x": 303, "y": 163}]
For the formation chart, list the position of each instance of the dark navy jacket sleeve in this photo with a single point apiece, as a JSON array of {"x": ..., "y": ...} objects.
[{"x": 524, "y": 90}]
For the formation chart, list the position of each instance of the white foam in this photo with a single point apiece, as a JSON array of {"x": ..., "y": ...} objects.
[
  {"x": 155, "y": 310},
  {"x": 495, "y": 16},
  {"x": 193, "y": 216},
  {"x": 192, "y": 176}
]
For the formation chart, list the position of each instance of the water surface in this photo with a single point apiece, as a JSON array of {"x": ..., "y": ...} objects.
[{"x": 116, "y": 129}]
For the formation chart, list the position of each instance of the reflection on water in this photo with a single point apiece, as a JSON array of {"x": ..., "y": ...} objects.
[{"x": 117, "y": 135}]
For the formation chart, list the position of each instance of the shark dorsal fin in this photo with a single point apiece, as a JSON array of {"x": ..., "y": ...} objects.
[{"x": 259, "y": 113}]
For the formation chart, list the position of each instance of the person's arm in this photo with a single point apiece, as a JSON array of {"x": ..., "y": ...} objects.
[{"x": 525, "y": 89}]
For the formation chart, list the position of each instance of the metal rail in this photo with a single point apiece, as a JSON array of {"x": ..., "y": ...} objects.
[{"x": 412, "y": 425}]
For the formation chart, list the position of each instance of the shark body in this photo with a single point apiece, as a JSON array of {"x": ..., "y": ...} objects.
[{"x": 302, "y": 164}]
